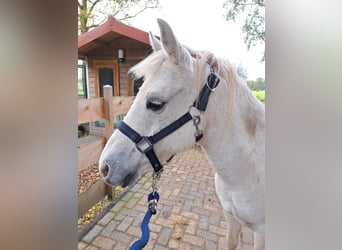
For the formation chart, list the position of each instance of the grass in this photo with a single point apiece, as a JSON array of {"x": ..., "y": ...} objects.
[{"x": 260, "y": 94}]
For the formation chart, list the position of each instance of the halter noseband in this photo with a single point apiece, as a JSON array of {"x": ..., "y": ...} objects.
[{"x": 145, "y": 143}]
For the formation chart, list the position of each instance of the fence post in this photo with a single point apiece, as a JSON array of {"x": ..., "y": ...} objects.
[{"x": 109, "y": 120}]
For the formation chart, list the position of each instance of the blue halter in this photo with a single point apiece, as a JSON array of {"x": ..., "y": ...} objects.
[{"x": 145, "y": 143}]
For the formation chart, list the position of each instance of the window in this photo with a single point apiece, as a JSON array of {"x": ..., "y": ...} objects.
[
  {"x": 82, "y": 83},
  {"x": 137, "y": 84},
  {"x": 106, "y": 77}
]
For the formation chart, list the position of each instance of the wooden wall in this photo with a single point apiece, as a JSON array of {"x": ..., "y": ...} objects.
[{"x": 134, "y": 52}]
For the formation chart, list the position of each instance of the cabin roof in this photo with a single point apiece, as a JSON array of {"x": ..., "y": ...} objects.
[{"x": 106, "y": 33}]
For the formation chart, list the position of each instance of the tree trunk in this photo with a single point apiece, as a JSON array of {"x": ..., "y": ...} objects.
[{"x": 83, "y": 15}]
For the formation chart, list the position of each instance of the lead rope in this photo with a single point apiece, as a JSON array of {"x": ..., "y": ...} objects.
[{"x": 152, "y": 199}]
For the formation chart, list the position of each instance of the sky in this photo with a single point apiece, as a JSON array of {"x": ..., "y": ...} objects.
[{"x": 200, "y": 24}]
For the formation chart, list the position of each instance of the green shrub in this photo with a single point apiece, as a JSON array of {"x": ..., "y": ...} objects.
[
  {"x": 80, "y": 90},
  {"x": 260, "y": 94}
]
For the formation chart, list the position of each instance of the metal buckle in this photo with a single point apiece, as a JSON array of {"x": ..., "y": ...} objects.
[
  {"x": 213, "y": 80},
  {"x": 152, "y": 205},
  {"x": 199, "y": 133},
  {"x": 144, "y": 145}
]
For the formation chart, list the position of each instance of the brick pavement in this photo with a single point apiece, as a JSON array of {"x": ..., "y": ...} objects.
[{"x": 189, "y": 214}]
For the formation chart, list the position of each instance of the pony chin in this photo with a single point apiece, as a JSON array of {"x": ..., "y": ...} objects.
[
  {"x": 129, "y": 179},
  {"x": 133, "y": 177}
]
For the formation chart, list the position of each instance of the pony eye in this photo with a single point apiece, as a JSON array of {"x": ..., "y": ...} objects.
[{"x": 154, "y": 105}]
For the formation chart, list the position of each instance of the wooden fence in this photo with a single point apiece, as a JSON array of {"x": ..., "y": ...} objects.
[{"x": 90, "y": 110}]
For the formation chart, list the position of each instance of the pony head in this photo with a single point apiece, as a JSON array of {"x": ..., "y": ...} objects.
[{"x": 169, "y": 89}]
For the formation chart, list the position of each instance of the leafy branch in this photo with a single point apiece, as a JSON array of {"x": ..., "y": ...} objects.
[{"x": 254, "y": 23}]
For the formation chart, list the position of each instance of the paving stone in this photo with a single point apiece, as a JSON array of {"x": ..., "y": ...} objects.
[
  {"x": 159, "y": 247},
  {"x": 123, "y": 238},
  {"x": 108, "y": 230},
  {"x": 129, "y": 212},
  {"x": 121, "y": 246},
  {"x": 124, "y": 225},
  {"x": 92, "y": 248},
  {"x": 164, "y": 236},
  {"x": 127, "y": 196},
  {"x": 200, "y": 211},
  {"x": 189, "y": 215},
  {"x": 176, "y": 191},
  {"x": 147, "y": 185},
  {"x": 153, "y": 236},
  {"x": 214, "y": 219},
  {"x": 81, "y": 245},
  {"x": 142, "y": 201},
  {"x": 207, "y": 235},
  {"x": 104, "y": 221},
  {"x": 193, "y": 239},
  {"x": 155, "y": 228},
  {"x": 174, "y": 244},
  {"x": 247, "y": 236},
  {"x": 223, "y": 223},
  {"x": 140, "y": 208},
  {"x": 222, "y": 243},
  {"x": 119, "y": 217},
  {"x": 203, "y": 222},
  {"x": 212, "y": 245},
  {"x": 118, "y": 206},
  {"x": 92, "y": 233},
  {"x": 218, "y": 230},
  {"x": 177, "y": 218},
  {"x": 187, "y": 206},
  {"x": 191, "y": 227},
  {"x": 138, "y": 219},
  {"x": 246, "y": 247},
  {"x": 164, "y": 222},
  {"x": 136, "y": 188},
  {"x": 150, "y": 245},
  {"x": 104, "y": 243},
  {"x": 131, "y": 203},
  {"x": 135, "y": 231},
  {"x": 176, "y": 209}
]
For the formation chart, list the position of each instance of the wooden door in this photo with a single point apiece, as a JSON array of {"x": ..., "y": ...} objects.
[{"x": 106, "y": 73}]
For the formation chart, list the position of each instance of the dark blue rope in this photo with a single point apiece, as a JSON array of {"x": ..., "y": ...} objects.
[{"x": 145, "y": 231}]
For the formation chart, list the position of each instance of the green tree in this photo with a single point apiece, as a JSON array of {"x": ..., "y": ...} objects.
[
  {"x": 258, "y": 84},
  {"x": 254, "y": 23},
  {"x": 92, "y": 13}
]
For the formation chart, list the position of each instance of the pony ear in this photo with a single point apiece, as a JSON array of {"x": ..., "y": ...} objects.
[
  {"x": 169, "y": 41},
  {"x": 154, "y": 42}
]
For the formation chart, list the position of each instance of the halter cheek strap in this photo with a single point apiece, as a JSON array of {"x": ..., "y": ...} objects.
[{"x": 145, "y": 143}]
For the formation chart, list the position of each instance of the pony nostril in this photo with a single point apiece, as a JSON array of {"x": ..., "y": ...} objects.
[{"x": 104, "y": 169}]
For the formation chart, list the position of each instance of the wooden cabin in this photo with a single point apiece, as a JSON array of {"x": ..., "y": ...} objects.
[{"x": 107, "y": 52}]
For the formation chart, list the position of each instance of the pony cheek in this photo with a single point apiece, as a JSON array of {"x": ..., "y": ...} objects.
[{"x": 177, "y": 142}]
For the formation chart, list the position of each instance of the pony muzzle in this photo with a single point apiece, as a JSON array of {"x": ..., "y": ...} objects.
[{"x": 107, "y": 171}]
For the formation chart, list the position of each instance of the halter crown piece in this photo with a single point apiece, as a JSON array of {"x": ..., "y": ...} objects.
[{"x": 145, "y": 146}]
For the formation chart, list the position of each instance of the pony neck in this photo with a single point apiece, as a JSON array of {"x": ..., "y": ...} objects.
[{"x": 233, "y": 136}]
